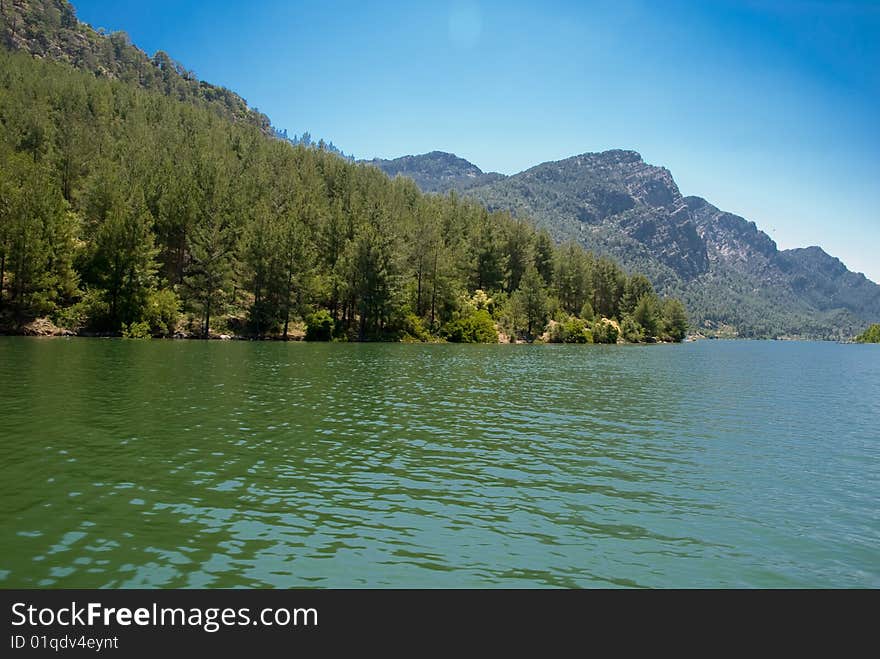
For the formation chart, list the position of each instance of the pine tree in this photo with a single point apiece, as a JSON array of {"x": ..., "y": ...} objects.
[
  {"x": 209, "y": 275},
  {"x": 675, "y": 322},
  {"x": 636, "y": 287},
  {"x": 532, "y": 299},
  {"x": 374, "y": 275},
  {"x": 647, "y": 314},
  {"x": 489, "y": 260},
  {"x": 608, "y": 284},
  {"x": 125, "y": 257},
  {"x": 544, "y": 256},
  {"x": 519, "y": 252},
  {"x": 572, "y": 277}
]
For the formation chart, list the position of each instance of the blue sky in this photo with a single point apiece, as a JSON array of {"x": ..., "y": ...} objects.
[{"x": 767, "y": 109}]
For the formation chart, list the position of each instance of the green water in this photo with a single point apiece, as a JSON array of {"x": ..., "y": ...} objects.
[{"x": 223, "y": 464}]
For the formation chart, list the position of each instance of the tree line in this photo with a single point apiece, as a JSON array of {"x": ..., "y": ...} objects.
[{"x": 124, "y": 210}]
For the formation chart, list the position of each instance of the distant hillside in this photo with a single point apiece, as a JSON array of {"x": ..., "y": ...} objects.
[
  {"x": 827, "y": 283},
  {"x": 730, "y": 274},
  {"x": 49, "y": 29},
  {"x": 798, "y": 292},
  {"x": 436, "y": 171}
]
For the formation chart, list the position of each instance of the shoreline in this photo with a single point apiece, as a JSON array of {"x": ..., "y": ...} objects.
[
  {"x": 45, "y": 328},
  {"x": 67, "y": 334}
]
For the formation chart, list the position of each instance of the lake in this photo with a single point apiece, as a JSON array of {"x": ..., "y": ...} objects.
[{"x": 264, "y": 464}]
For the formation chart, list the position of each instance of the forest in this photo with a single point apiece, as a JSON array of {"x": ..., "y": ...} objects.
[{"x": 126, "y": 211}]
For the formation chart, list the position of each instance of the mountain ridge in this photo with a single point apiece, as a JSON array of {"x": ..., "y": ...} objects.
[{"x": 435, "y": 171}]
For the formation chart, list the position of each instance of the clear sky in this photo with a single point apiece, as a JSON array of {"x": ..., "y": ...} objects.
[{"x": 767, "y": 109}]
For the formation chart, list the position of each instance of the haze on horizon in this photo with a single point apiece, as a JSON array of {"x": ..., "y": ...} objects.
[{"x": 767, "y": 110}]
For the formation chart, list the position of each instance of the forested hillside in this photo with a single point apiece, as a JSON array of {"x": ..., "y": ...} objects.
[
  {"x": 125, "y": 209},
  {"x": 49, "y": 29}
]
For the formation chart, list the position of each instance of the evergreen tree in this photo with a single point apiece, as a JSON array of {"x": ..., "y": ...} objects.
[
  {"x": 374, "y": 278},
  {"x": 531, "y": 298},
  {"x": 518, "y": 252},
  {"x": 490, "y": 262},
  {"x": 647, "y": 314},
  {"x": 261, "y": 241},
  {"x": 636, "y": 287},
  {"x": 124, "y": 262},
  {"x": 424, "y": 240},
  {"x": 209, "y": 274},
  {"x": 295, "y": 258},
  {"x": 675, "y": 323},
  {"x": 608, "y": 284},
  {"x": 545, "y": 252},
  {"x": 572, "y": 278}
]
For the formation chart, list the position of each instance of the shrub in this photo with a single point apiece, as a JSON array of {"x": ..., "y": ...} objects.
[
  {"x": 136, "y": 331},
  {"x": 604, "y": 331},
  {"x": 631, "y": 331},
  {"x": 319, "y": 326},
  {"x": 476, "y": 327},
  {"x": 91, "y": 312},
  {"x": 577, "y": 331},
  {"x": 571, "y": 330},
  {"x": 555, "y": 332},
  {"x": 413, "y": 329},
  {"x": 162, "y": 312},
  {"x": 480, "y": 300}
]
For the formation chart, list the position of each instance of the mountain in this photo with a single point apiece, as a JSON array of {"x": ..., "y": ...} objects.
[
  {"x": 802, "y": 292},
  {"x": 731, "y": 275},
  {"x": 436, "y": 171},
  {"x": 49, "y": 29}
]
